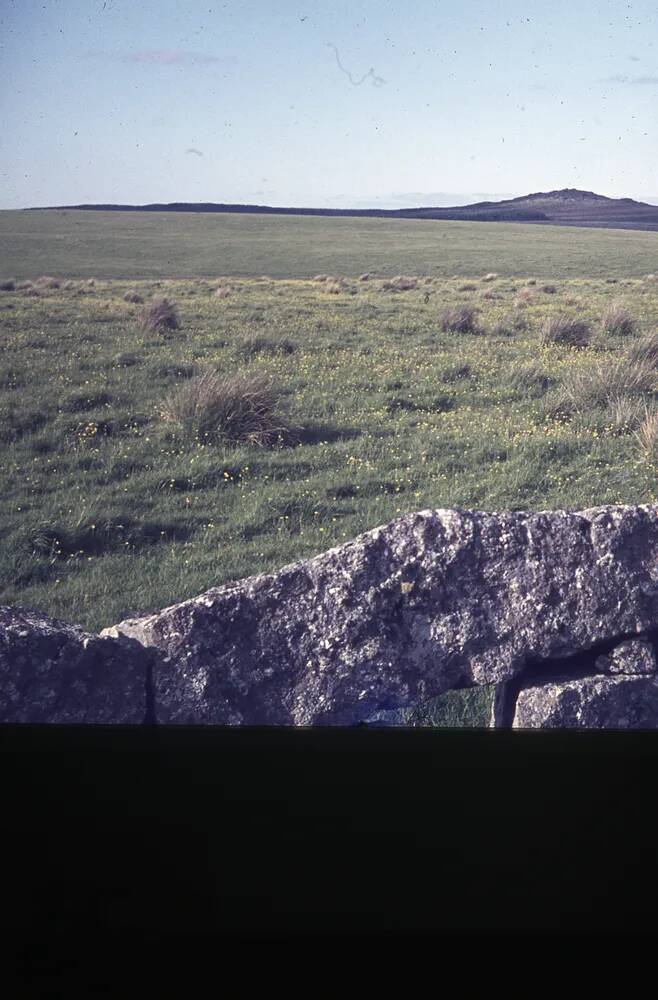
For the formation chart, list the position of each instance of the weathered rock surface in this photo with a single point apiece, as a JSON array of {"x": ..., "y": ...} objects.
[
  {"x": 635, "y": 656},
  {"x": 51, "y": 672},
  {"x": 619, "y": 702},
  {"x": 434, "y": 600}
]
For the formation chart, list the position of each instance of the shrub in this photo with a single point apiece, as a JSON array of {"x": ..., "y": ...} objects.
[
  {"x": 237, "y": 409},
  {"x": 460, "y": 320},
  {"x": 132, "y": 297},
  {"x": 617, "y": 321},
  {"x": 334, "y": 286},
  {"x": 645, "y": 351},
  {"x": 47, "y": 282},
  {"x": 565, "y": 330},
  {"x": 8, "y": 286},
  {"x": 158, "y": 315}
]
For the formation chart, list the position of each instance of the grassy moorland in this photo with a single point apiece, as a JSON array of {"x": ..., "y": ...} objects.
[
  {"x": 126, "y": 245},
  {"x": 109, "y": 509}
]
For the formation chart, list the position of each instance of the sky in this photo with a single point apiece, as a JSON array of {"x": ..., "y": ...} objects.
[{"x": 365, "y": 103}]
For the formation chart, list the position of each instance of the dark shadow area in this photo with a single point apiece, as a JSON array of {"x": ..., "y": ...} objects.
[{"x": 260, "y": 831}]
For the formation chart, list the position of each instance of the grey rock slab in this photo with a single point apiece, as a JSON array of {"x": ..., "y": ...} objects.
[
  {"x": 434, "y": 600},
  {"x": 52, "y": 672},
  {"x": 620, "y": 702}
]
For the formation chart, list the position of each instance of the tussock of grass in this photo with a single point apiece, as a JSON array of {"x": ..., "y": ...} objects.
[
  {"x": 618, "y": 321},
  {"x": 623, "y": 413},
  {"x": 364, "y": 277},
  {"x": 45, "y": 281},
  {"x": 261, "y": 344},
  {"x": 158, "y": 316},
  {"x": 238, "y": 409},
  {"x": 565, "y": 330},
  {"x": 596, "y": 386},
  {"x": 490, "y": 277},
  {"x": 401, "y": 283},
  {"x": 334, "y": 286},
  {"x": 508, "y": 326},
  {"x": 132, "y": 297},
  {"x": 460, "y": 320},
  {"x": 530, "y": 379},
  {"x": 645, "y": 351},
  {"x": 647, "y": 435},
  {"x": 9, "y": 285}
]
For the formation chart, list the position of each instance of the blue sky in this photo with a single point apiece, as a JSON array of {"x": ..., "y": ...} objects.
[{"x": 340, "y": 104}]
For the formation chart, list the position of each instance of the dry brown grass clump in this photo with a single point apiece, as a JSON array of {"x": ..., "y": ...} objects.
[
  {"x": 468, "y": 287},
  {"x": 524, "y": 297},
  {"x": 47, "y": 282},
  {"x": 159, "y": 315},
  {"x": 461, "y": 320},
  {"x": 508, "y": 326},
  {"x": 132, "y": 297},
  {"x": 9, "y": 285},
  {"x": 645, "y": 352},
  {"x": 617, "y": 321},
  {"x": 334, "y": 286},
  {"x": 603, "y": 385},
  {"x": 566, "y": 330},
  {"x": 401, "y": 283},
  {"x": 647, "y": 434},
  {"x": 236, "y": 409},
  {"x": 625, "y": 413}
]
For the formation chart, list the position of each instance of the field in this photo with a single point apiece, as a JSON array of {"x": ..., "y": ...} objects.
[
  {"x": 110, "y": 510},
  {"x": 129, "y": 245}
]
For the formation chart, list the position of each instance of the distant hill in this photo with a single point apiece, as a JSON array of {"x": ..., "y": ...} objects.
[{"x": 566, "y": 207}]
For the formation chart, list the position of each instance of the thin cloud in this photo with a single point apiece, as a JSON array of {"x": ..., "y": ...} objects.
[
  {"x": 633, "y": 81},
  {"x": 160, "y": 57},
  {"x": 195, "y": 152},
  {"x": 171, "y": 57}
]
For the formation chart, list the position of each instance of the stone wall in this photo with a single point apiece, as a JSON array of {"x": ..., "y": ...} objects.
[{"x": 558, "y": 609}]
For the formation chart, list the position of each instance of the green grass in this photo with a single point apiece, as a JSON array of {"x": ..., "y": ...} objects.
[
  {"x": 108, "y": 511},
  {"x": 72, "y": 244}
]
